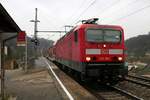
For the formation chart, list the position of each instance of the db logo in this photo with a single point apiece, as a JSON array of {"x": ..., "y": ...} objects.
[{"x": 104, "y": 51}]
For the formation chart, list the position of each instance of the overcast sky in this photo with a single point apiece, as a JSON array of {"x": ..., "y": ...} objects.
[{"x": 132, "y": 15}]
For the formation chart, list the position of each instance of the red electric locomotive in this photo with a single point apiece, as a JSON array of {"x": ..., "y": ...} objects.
[{"x": 93, "y": 51}]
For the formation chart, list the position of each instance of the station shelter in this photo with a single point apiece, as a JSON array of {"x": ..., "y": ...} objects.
[{"x": 8, "y": 30}]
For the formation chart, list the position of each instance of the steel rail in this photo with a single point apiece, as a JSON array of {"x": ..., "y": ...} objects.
[
  {"x": 141, "y": 78},
  {"x": 137, "y": 82},
  {"x": 116, "y": 89},
  {"x": 134, "y": 97}
]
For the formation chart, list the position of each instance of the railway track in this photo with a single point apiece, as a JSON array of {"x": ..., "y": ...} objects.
[
  {"x": 136, "y": 85},
  {"x": 138, "y": 80},
  {"x": 128, "y": 94},
  {"x": 106, "y": 92},
  {"x": 118, "y": 93}
]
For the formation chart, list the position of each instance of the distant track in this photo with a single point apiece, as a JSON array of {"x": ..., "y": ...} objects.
[
  {"x": 140, "y": 77},
  {"x": 134, "y": 97},
  {"x": 138, "y": 80}
]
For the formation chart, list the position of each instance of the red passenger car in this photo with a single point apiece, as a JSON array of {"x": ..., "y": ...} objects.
[{"x": 93, "y": 51}]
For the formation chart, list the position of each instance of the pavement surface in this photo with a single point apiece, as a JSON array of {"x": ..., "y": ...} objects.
[
  {"x": 40, "y": 84},
  {"x": 36, "y": 84},
  {"x": 77, "y": 90}
]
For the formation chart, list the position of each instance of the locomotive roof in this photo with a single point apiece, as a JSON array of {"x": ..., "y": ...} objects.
[
  {"x": 97, "y": 26},
  {"x": 89, "y": 26}
]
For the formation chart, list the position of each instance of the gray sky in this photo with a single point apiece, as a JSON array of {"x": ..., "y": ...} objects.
[{"x": 132, "y": 15}]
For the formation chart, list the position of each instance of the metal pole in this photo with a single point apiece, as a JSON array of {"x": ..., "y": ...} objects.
[
  {"x": 2, "y": 59},
  {"x": 2, "y": 73},
  {"x": 26, "y": 54},
  {"x": 65, "y": 30},
  {"x": 2, "y": 91},
  {"x": 2, "y": 67},
  {"x": 69, "y": 26},
  {"x": 60, "y": 34},
  {"x": 35, "y": 25},
  {"x": 35, "y": 30}
]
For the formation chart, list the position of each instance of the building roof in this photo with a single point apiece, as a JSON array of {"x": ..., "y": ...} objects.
[{"x": 7, "y": 24}]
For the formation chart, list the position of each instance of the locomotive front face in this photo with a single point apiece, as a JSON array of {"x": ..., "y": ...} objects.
[
  {"x": 104, "y": 45},
  {"x": 103, "y": 52}
]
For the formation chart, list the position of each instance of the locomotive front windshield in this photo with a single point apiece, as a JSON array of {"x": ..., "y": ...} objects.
[{"x": 105, "y": 35}]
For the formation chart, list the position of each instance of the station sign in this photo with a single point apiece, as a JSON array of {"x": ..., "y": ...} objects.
[{"x": 21, "y": 39}]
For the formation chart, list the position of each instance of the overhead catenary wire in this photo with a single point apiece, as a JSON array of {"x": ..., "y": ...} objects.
[
  {"x": 90, "y": 5},
  {"x": 130, "y": 14},
  {"x": 104, "y": 10},
  {"x": 110, "y": 6},
  {"x": 47, "y": 36},
  {"x": 81, "y": 4},
  {"x": 114, "y": 4},
  {"x": 47, "y": 18},
  {"x": 55, "y": 26}
]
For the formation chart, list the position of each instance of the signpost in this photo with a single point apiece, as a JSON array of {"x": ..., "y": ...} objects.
[{"x": 22, "y": 41}]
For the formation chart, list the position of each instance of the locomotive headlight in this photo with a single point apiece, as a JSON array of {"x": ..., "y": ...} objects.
[
  {"x": 120, "y": 58},
  {"x": 88, "y": 58}
]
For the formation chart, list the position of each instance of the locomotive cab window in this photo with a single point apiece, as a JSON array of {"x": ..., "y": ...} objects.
[
  {"x": 95, "y": 35},
  {"x": 112, "y": 36},
  {"x": 103, "y": 35},
  {"x": 76, "y": 36}
]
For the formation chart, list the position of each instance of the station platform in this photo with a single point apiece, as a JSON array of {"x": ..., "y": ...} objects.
[{"x": 36, "y": 84}]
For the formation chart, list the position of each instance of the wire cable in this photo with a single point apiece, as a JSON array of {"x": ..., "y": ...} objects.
[
  {"x": 83, "y": 2},
  {"x": 113, "y": 4},
  {"x": 90, "y": 5},
  {"x": 130, "y": 14}
]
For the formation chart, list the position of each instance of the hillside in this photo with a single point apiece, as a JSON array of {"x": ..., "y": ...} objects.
[
  {"x": 19, "y": 52},
  {"x": 138, "y": 46}
]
